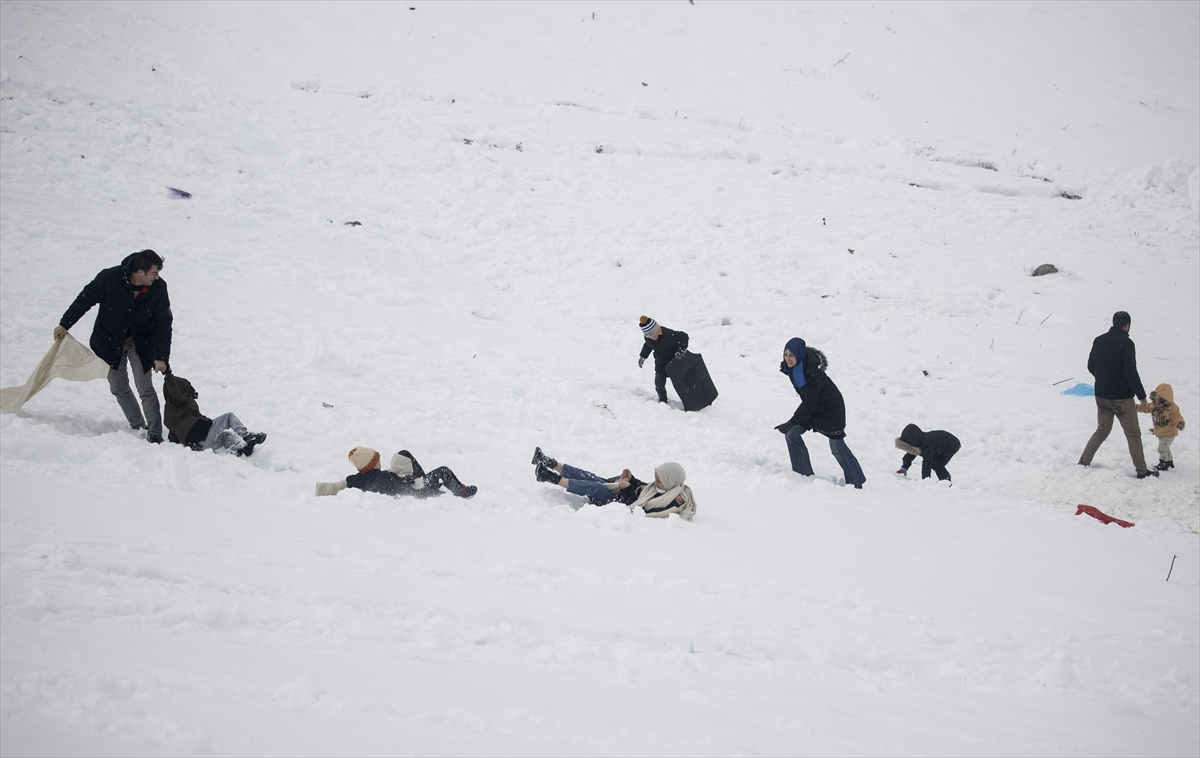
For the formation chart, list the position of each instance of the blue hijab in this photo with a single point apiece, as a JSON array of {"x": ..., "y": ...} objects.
[{"x": 798, "y": 349}]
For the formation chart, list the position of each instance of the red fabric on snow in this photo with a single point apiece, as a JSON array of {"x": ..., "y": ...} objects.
[{"x": 1100, "y": 515}]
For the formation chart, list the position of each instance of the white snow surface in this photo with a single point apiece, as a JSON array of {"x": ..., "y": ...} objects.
[{"x": 879, "y": 179}]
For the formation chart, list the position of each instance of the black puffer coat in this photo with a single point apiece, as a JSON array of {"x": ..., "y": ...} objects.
[
  {"x": 1113, "y": 361},
  {"x": 937, "y": 447},
  {"x": 147, "y": 318},
  {"x": 821, "y": 406},
  {"x": 664, "y": 348}
]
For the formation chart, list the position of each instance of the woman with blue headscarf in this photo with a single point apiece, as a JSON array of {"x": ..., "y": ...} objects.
[{"x": 821, "y": 409}]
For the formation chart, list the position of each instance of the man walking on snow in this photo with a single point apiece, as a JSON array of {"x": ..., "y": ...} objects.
[
  {"x": 1114, "y": 364},
  {"x": 133, "y": 325}
]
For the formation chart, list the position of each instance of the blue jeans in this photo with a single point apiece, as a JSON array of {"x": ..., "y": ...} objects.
[
  {"x": 586, "y": 484},
  {"x": 841, "y": 453}
]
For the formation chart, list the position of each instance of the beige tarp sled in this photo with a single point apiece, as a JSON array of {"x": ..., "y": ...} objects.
[{"x": 66, "y": 359}]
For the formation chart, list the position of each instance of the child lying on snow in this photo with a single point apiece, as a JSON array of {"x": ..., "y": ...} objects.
[
  {"x": 405, "y": 477},
  {"x": 668, "y": 494},
  {"x": 936, "y": 448},
  {"x": 1168, "y": 423},
  {"x": 181, "y": 415}
]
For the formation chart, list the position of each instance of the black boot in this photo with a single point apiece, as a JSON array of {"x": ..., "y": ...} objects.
[
  {"x": 251, "y": 439},
  {"x": 1164, "y": 465},
  {"x": 541, "y": 459},
  {"x": 1149, "y": 473},
  {"x": 548, "y": 475}
]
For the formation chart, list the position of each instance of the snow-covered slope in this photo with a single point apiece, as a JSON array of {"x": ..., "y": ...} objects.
[{"x": 529, "y": 179}]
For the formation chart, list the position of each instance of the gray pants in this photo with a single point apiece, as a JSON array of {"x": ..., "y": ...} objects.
[
  {"x": 225, "y": 435},
  {"x": 1126, "y": 412},
  {"x": 118, "y": 383},
  {"x": 1164, "y": 448}
]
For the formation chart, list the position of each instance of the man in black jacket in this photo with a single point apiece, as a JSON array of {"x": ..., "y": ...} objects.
[
  {"x": 667, "y": 345},
  {"x": 133, "y": 325},
  {"x": 1114, "y": 364}
]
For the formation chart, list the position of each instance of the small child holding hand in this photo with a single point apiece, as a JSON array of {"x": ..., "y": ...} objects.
[{"x": 1168, "y": 423}]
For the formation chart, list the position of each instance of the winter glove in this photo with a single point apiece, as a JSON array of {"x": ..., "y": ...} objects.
[
  {"x": 680, "y": 354},
  {"x": 785, "y": 427},
  {"x": 641, "y": 361}
]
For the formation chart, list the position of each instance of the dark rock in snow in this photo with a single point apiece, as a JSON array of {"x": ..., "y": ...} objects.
[
  {"x": 180, "y": 193},
  {"x": 1045, "y": 268},
  {"x": 353, "y": 223}
]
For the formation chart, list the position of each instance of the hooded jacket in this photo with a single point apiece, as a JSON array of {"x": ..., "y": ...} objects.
[
  {"x": 1113, "y": 361},
  {"x": 664, "y": 348},
  {"x": 146, "y": 316},
  {"x": 181, "y": 413},
  {"x": 1164, "y": 413},
  {"x": 822, "y": 408},
  {"x": 935, "y": 447}
]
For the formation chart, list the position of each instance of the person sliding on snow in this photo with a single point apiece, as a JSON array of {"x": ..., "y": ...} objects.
[
  {"x": 404, "y": 477},
  {"x": 821, "y": 409},
  {"x": 187, "y": 426},
  {"x": 935, "y": 447},
  {"x": 667, "y": 345},
  {"x": 1168, "y": 423},
  {"x": 668, "y": 495},
  {"x": 133, "y": 325}
]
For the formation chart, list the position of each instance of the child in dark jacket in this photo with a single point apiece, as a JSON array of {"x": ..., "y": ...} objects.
[
  {"x": 188, "y": 426},
  {"x": 935, "y": 447},
  {"x": 404, "y": 477}
]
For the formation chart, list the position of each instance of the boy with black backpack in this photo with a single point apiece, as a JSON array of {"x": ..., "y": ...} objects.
[{"x": 223, "y": 434}]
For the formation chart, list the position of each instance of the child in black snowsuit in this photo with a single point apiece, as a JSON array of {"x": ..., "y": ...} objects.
[{"x": 936, "y": 448}]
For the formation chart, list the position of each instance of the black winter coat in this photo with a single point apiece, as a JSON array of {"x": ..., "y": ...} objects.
[
  {"x": 937, "y": 447},
  {"x": 147, "y": 318},
  {"x": 822, "y": 408},
  {"x": 382, "y": 482},
  {"x": 1113, "y": 361},
  {"x": 664, "y": 348}
]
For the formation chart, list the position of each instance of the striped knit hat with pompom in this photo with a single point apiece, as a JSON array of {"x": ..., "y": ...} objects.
[
  {"x": 364, "y": 459},
  {"x": 649, "y": 326}
]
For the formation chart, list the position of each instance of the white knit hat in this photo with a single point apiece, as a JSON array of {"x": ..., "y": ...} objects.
[
  {"x": 649, "y": 325},
  {"x": 364, "y": 459},
  {"x": 401, "y": 465}
]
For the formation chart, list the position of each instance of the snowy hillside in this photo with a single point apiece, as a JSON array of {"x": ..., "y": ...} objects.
[{"x": 879, "y": 179}]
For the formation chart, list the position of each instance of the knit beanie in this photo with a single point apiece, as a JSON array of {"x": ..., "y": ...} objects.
[
  {"x": 364, "y": 459},
  {"x": 649, "y": 325}
]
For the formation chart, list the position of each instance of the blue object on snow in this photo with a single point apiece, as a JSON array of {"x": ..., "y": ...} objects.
[
  {"x": 180, "y": 193},
  {"x": 1081, "y": 390}
]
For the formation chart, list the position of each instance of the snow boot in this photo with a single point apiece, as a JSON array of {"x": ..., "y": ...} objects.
[
  {"x": 1164, "y": 465},
  {"x": 249, "y": 441},
  {"x": 467, "y": 492},
  {"x": 548, "y": 475},
  {"x": 1148, "y": 473},
  {"x": 541, "y": 459}
]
